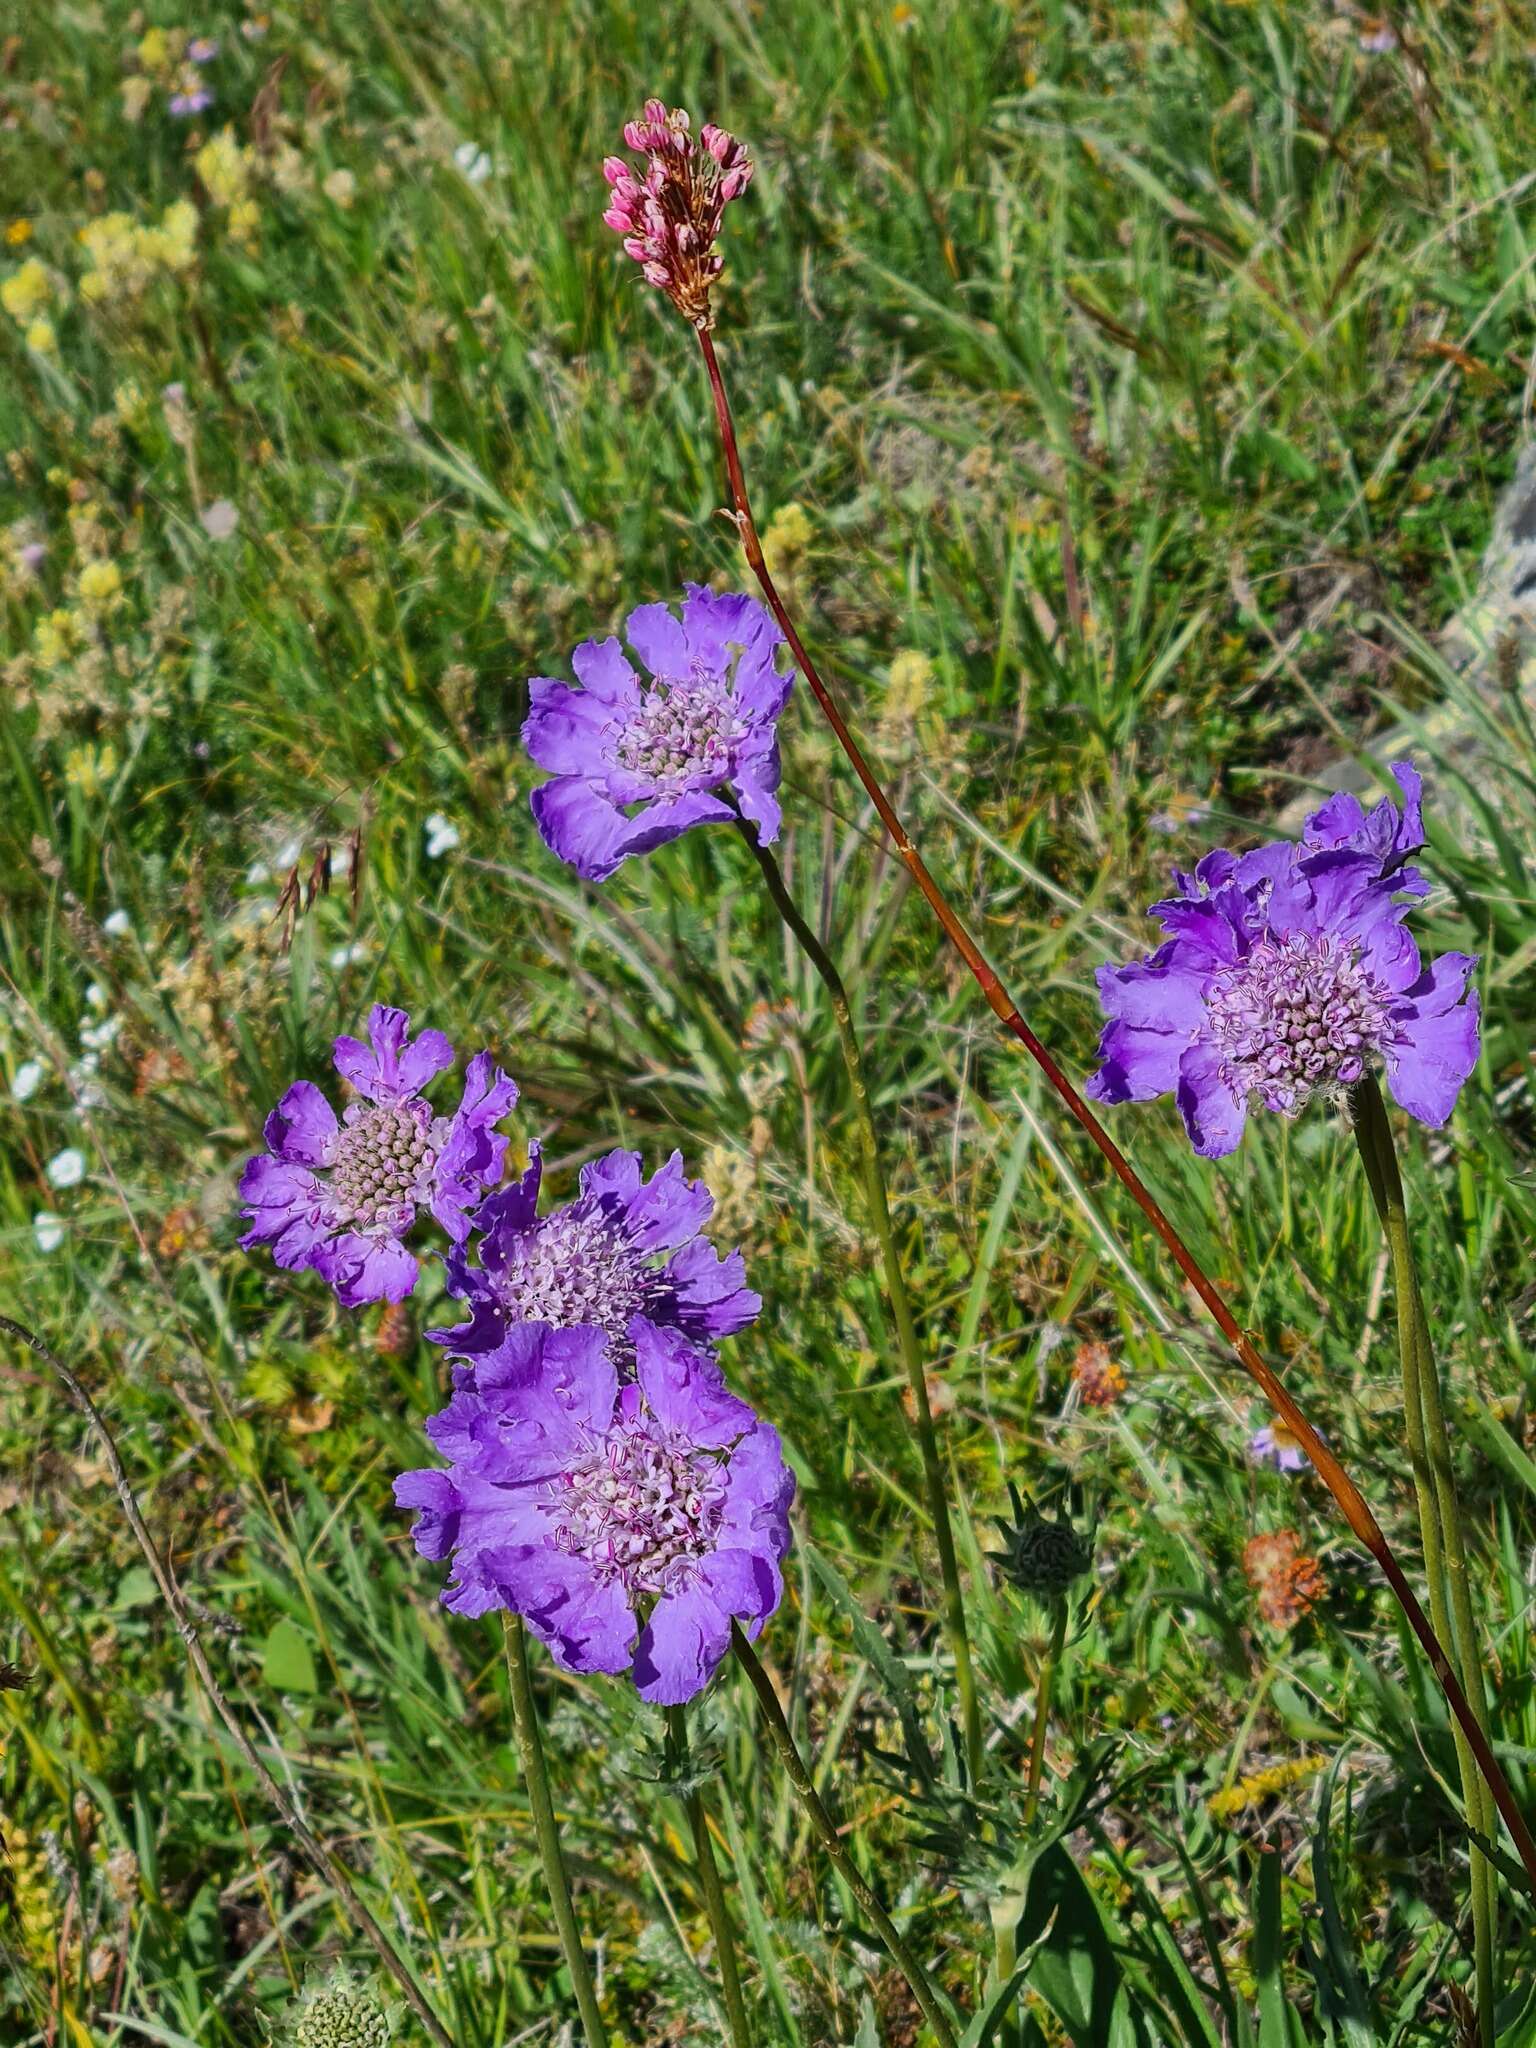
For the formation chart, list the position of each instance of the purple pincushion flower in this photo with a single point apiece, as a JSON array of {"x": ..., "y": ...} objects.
[
  {"x": 629, "y": 1523},
  {"x": 625, "y": 1255},
  {"x": 637, "y": 762},
  {"x": 1288, "y": 973},
  {"x": 1274, "y": 1445},
  {"x": 341, "y": 1195}
]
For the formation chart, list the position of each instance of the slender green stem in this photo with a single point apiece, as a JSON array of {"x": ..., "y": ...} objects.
[
  {"x": 878, "y": 1203},
  {"x": 709, "y": 1884},
  {"x": 822, "y": 1822},
  {"x": 1043, "y": 1688},
  {"x": 530, "y": 1749},
  {"x": 1445, "y": 1558}
]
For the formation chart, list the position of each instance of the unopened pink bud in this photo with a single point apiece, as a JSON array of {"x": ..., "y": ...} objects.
[
  {"x": 734, "y": 183},
  {"x": 615, "y": 170}
]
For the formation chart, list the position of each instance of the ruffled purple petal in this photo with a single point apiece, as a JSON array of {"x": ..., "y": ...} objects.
[
  {"x": 472, "y": 1154},
  {"x": 580, "y": 826},
  {"x": 303, "y": 1126},
  {"x": 1436, "y": 1040},
  {"x": 1155, "y": 1007},
  {"x": 587, "y": 1622},
  {"x": 668, "y": 818},
  {"x": 603, "y": 671},
  {"x": 567, "y": 731},
  {"x": 759, "y": 1492},
  {"x": 689, "y": 1630},
  {"x": 755, "y": 780},
  {"x": 275, "y": 1195},
  {"x": 685, "y": 1389},
  {"x": 710, "y": 1292},
  {"x": 722, "y": 628},
  {"x": 667, "y": 1210},
  {"x": 1213, "y": 1115},
  {"x": 360, "y": 1269},
  {"x": 656, "y": 634}
]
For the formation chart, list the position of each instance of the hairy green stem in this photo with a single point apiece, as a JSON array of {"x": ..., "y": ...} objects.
[
  {"x": 878, "y": 1203},
  {"x": 1044, "y": 1684},
  {"x": 1445, "y": 1557},
  {"x": 530, "y": 1749},
  {"x": 709, "y": 1884},
  {"x": 826, "y": 1828}
]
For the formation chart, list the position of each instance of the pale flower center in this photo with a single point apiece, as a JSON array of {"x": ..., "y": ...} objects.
[
  {"x": 681, "y": 734},
  {"x": 572, "y": 1268},
  {"x": 641, "y": 1501},
  {"x": 383, "y": 1161},
  {"x": 1300, "y": 1016}
]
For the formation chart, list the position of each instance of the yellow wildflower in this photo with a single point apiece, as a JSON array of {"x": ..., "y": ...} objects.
[
  {"x": 173, "y": 244},
  {"x": 339, "y": 188},
  {"x": 137, "y": 94},
  {"x": 41, "y": 339},
  {"x": 130, "y": 404},
  {"x": 18, "y": 233},
  {"x": 788, "y": 536},
  {"x": 158, "y": 51},
  {"x": 26, "y": 291},
  {"x": 224, "y": 168},
  {"x": 1261, "y": 1785},
  {"x": 89, "y": 769},
  {"x": 55, "y": 637},
  {"x": 117, "y": 264},
  {"x": 100, "y": 585},
  {"x": 244, "y": 221}
]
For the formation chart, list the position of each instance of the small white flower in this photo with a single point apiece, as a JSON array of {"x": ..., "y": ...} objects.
[
  {"x": 442, "y": 836},
  {"x": 66, "y": 1169},
  {"x": 118, "y": 924},
  {"x": 257, "y": 873},
  {"x": 82, "y": 1082},
  {"x": 29, "y": 1078},
  {"x": 348, "y": 956},
  {"x": 220, "y": 519},
  {"x": 96, "y": 995},
  {"x": 97, "y": 1037},
  {"x": 473, "y": 162},
  {"x": 48, "y": 1229},
  {"x": 287, "y": 855}
]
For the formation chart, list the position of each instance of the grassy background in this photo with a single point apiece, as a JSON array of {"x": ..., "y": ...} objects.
[{"x": 1126, "y": 392}]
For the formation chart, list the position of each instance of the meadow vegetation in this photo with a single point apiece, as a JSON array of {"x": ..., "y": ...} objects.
[{"x": 1126, "y": 392}]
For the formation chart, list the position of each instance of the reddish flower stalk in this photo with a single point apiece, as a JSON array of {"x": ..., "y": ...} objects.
[{"x": 1352, "y": 1503}]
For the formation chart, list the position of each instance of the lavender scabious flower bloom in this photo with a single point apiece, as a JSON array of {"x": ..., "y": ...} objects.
[
  {"x": 637, "y": 763},
  {"x": 340, "y": 1196},
  {"x": 1288, "y": 973},
  {"x": 1274, "y": 1445},
  {"x": 197, "y": 100},
  {"x": 597, "y": 1261},
  {"x": 629, "y": 1523},
  {"x": 669, "y": 214}
]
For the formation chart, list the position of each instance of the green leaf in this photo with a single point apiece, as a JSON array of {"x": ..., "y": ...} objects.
[
  {"x": 1075, "y": 1968},
  {"x": 136, "y": 1588},
  {"x": 287, "y": 1662}
]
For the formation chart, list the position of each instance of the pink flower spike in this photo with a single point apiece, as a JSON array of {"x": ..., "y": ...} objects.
[{"x": 668, "y": 214}]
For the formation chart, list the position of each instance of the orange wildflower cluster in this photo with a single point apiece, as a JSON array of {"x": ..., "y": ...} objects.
[
  {"x": 1287, "y": 1581},
  {"x": 1100, "y": 1379}
]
